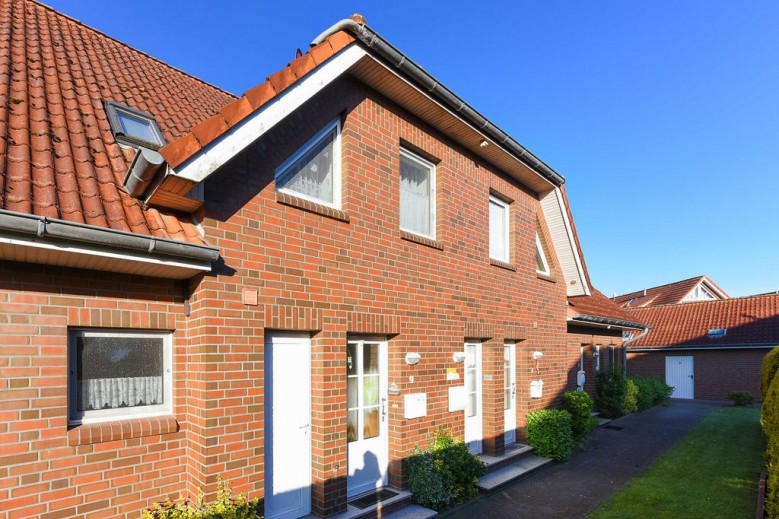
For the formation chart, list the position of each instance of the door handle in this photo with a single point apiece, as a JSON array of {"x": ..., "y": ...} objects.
[
  {"x": 305, "y": 426},
  {"x": 383, "y": 408},
  {"x": 513, "y": 389}
]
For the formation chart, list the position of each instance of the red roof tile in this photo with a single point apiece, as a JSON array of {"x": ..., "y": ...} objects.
[
  {"x": 598, "y": 305},
  {"x": 669, "y": 294},
  {"x": 178, "y": 152},
  {"x": 752, "y": 320},
  {"x": 58, "y": 157}
]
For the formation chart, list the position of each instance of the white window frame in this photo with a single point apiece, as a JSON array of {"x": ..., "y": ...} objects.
[
  {"x": 541, "y": 252},
  {"x": 76, "y": 417},
  {"x": 431, "y": 168},
  {"x": 313, "y": 141},
  {"x": 506, "y": 229}
]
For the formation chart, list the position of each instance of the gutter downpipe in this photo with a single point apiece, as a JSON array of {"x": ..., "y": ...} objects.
[
  {"x": 400, "y": 61},
  {"x": 625, "y": 347}
]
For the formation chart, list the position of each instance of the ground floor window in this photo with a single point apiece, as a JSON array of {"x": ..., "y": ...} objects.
[{"x": 118, "y": 374}]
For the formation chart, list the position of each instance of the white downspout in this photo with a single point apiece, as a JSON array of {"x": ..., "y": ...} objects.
[{"x": 625, "y": 348}]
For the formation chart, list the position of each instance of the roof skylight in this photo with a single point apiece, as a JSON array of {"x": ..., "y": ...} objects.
[{"x": 133, "y": 127}]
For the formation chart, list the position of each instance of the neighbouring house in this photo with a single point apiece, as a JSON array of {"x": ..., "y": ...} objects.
[
  {"x": 291, "y": 288},
  {"x": 707, "y": 349},
  {"x": 699, "y": 288}
]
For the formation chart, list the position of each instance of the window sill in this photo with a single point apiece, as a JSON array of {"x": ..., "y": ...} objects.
[
  {"x": 422, "y": 240},
  {"x": 86, "y": 434},
  {"x": 311, "y": 207},
  {"x": 546, "y": 277},
  {"x": 502, "y": 264}
]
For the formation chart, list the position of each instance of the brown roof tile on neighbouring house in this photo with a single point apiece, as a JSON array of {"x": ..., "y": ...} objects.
[
  {"x": 669, "y": 294},
  {"x": 58, "y": 156},
  {"x": 752, "y": 320}
]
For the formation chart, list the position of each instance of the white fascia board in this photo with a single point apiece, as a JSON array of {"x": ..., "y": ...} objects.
[
  {"x": 86, "y": 249},
  {"x": 553, "y": 205},
  {"x": 238, "y": 138}
]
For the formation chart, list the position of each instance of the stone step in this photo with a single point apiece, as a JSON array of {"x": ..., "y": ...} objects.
[
  {"x": 513, "y": 452},
  {"x": 595, "y": 414},
  {"x": 603, "y": 421},
  {"x": 411, "y": 512},
  {"x": 381, "y": 509},
  {"x": 521, "y": 468}
]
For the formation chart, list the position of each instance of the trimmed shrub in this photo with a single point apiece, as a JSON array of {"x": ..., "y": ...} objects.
[
  {"x": 610, "y": 393},
  {"x": 550, "y": 434},
  {"x": 630, "y": 403},
  {"x": 226, "y": 506},
  {"x": 768, "y": 369},
  {"x": 742, "y": 398},
  {"x": 651, "y": 391},
  {"x": 579, "y": 405},
  {"x": 770, "y": 420},
  {"x": 445, "y": 474}
]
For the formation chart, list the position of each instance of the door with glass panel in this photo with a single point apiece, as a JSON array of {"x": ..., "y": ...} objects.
[
  {"x": 473, "y": 425},
  {"x": 510, "y": 392},
  {"x": 366, "y": 401}
]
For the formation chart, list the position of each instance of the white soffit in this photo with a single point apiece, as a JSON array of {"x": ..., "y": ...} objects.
[
  {"x": 561, "y": 232},
  {"x": 28, "y": 249},
  {"x": 253, "y": 127}
]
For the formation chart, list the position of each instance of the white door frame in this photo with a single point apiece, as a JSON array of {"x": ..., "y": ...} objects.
[
  {"x": 287, "y": 426},
  {"x": 371, "y": 455},
  {"x": 510, "y": 393},
  {"x": 684, "y": 385},
  {"x": 473, "y": 424}
]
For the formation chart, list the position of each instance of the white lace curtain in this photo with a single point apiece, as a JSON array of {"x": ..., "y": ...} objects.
[
  {"x": 112, "y": 393},
  {"x": 312, "y": 174},
  {"x": 415, "y": 200}
]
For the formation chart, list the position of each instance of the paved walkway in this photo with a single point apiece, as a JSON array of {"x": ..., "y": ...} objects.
[{"x": 610, "y": 458}]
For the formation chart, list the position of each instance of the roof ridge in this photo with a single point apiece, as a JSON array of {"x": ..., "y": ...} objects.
[
  {"x": 709, "y": 301},
  {"x": 661, "y": 286},
  {"x": 125, "y": 44}
]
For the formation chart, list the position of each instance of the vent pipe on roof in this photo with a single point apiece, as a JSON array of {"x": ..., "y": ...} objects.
[
  {"x": 357, "y": 26},
  {"x": 143, "y": 169}
]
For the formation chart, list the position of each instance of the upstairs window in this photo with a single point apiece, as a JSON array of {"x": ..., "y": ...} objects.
[
  {"x": 417, "y": 194},
  {"x": 314, "y": 171},
  {"x": 117, "y": 374},
  {"x": 133, "y": 127},
  {"x": 499, "y": 230},
  {"x": 542, "y": 266}
]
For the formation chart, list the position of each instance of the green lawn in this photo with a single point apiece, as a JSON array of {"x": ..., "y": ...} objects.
[{"x": 710, "y": 473}]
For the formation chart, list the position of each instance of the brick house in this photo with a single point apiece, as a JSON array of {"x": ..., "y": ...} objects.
[
  {"x": 699, "y": 288},
  {"x": 315, "y": 275},
  {"x": 707, "y": 349}
]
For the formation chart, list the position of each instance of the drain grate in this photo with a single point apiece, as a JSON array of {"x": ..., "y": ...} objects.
[
  {"x": 372, "y": 499},
  {"x": 613, "y": 427}
]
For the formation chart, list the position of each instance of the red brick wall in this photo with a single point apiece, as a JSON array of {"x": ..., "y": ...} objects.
[
  {"x": 584, "y": 340},
  {"x": 717, "y": 373},
  {"x": 330, "y": 276},
  {"x": 113, "y": 470}
]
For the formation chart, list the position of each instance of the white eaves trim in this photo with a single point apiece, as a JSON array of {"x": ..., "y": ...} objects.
[
  {"x": 561, "y": 232},
  {"x": 33, "y": 250},
  {"x": 235, "y": 140}
]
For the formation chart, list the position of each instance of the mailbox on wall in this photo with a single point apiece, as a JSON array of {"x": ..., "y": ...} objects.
[{"x": 536, "y": 388}]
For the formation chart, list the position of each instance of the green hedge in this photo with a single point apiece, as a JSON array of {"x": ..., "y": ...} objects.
[
  {"x": 768, "y": 370},
  {"x": 579, "y": 405},
  {"x": 651, "y": 391},
  {"x": 445, "y": 474},
  {"x": 611, "y": 388},
  {"x": 630, "y": 402},
  {"x": 770, "y": 420},
  {"x": 550, "y": 434}
]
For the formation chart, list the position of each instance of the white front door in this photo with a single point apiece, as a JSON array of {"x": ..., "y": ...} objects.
[
  {"x": 510, "y": 392},
  {"x": 473, "y": 425},
  {"x": 287, "y": 426},
  {"x": 679, "y": 373},
  {"x": 366, "y": 401}
]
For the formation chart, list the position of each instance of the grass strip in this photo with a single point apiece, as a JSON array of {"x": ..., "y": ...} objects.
[{"x": 711, "y": 473}]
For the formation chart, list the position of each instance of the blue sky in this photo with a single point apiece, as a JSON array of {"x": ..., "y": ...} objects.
[{"x": 663, "y": 116}]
